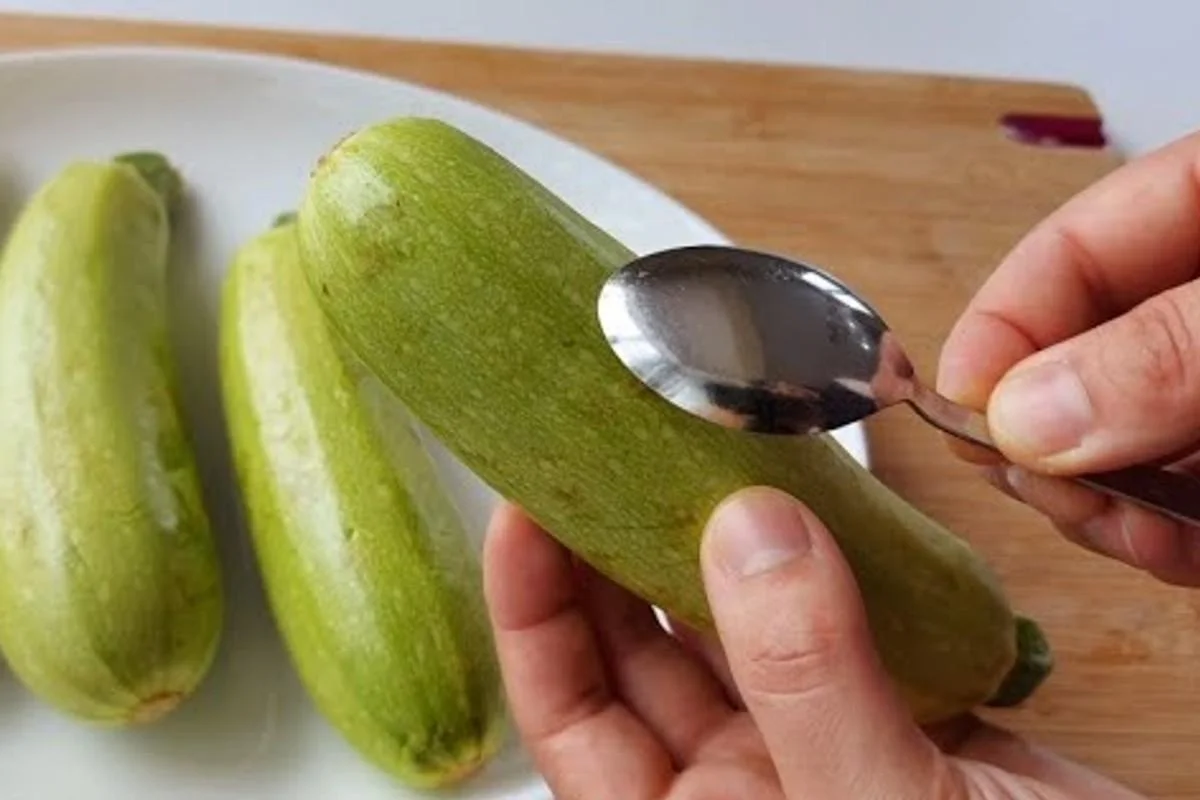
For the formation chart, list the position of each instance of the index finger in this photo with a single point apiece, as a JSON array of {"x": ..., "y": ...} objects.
[
  {"x": 1133, "y": 234},
  {"x": 585, "y": 741}
]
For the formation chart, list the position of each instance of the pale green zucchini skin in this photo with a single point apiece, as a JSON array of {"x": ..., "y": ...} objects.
[
  {"x": 372, "y": 580},
  {"x": 111, "y": 599},
  {"x": 470, "y": 290}
]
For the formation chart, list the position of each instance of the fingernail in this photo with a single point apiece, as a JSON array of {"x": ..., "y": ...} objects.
[
  {"x": 997, "y": 476},
  {"x": 1017, "y": 480},
  {"x": 758, "y": 530},
  {"x": 1042, "y": 411}
]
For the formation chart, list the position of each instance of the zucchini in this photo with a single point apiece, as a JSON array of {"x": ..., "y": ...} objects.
[
  {"x": 371, "y": 578},
  {"x": 470, "y": 290},
  {"x": 111, "y": 598}
]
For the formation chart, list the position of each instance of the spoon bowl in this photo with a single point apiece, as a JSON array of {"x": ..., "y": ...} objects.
[{"x": 758, "y": 342}]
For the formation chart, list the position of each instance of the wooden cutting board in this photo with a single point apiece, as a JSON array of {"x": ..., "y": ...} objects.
[{"x": 907, "y": 186}]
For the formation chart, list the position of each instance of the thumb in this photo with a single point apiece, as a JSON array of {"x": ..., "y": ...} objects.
[
  {"x": 799, "y": 648},
  {"x": 1125, "y": 392}
]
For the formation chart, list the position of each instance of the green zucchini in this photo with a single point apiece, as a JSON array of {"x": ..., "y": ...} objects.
[
  {"x": 111, "y": 598},
  {"x": 371, "y": 578},
  {"x": 470, "y": 290}
]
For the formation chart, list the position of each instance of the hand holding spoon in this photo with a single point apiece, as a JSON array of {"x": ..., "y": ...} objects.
[{"x": 757, "y": 342}]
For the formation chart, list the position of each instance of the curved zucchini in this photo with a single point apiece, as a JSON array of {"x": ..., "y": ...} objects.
[
  {"x": 370, "y": 576},
  {"x": 470, "y": 291},
  {"x": 110, "y": 590}
]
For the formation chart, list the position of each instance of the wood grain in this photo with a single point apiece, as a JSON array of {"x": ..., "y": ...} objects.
[{"x": 906, "y": 186}]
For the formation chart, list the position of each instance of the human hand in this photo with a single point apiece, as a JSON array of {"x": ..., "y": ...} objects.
[
  {"x": 612, "y": 706},
  {"x": 1084, "y": 347}
]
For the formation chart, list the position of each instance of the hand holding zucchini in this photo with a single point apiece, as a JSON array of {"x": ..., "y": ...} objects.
[
  {"x": 469, "y": 289},
  {"x": 110, "y": 593},
  {"x": 370, "y": 576}
]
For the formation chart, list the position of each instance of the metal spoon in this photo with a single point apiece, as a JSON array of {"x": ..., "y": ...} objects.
[{"x": 761, "y": 343}]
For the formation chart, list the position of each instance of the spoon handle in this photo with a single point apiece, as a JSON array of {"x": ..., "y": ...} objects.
[{"x": 1172, "y": 494}]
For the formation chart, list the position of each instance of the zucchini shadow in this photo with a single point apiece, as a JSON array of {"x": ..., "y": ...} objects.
[
  {"x": 12, "y": 694},
  {"x": 10, "y": 202}
]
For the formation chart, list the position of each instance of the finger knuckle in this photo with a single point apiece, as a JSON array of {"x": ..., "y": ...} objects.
[
  {"x": 783, "y": 661},
  {"x": 719, "y": 784},
  {"x": 1158, "y": 352}
]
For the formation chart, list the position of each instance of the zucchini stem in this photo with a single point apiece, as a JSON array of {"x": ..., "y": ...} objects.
[
  {"x": 157, "y": 171},
  {"x": 1035, "y": 662}
]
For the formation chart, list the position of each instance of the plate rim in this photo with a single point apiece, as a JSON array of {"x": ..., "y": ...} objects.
[
  {"x": 379, "y": 80},
  {"x": 853, "y": 438}
]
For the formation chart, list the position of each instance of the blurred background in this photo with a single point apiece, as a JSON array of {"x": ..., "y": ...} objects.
[{"x": 1139, "y": 60}]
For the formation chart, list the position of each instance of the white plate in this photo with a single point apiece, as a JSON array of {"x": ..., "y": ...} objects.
[{"x": 245, "y": 130}]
